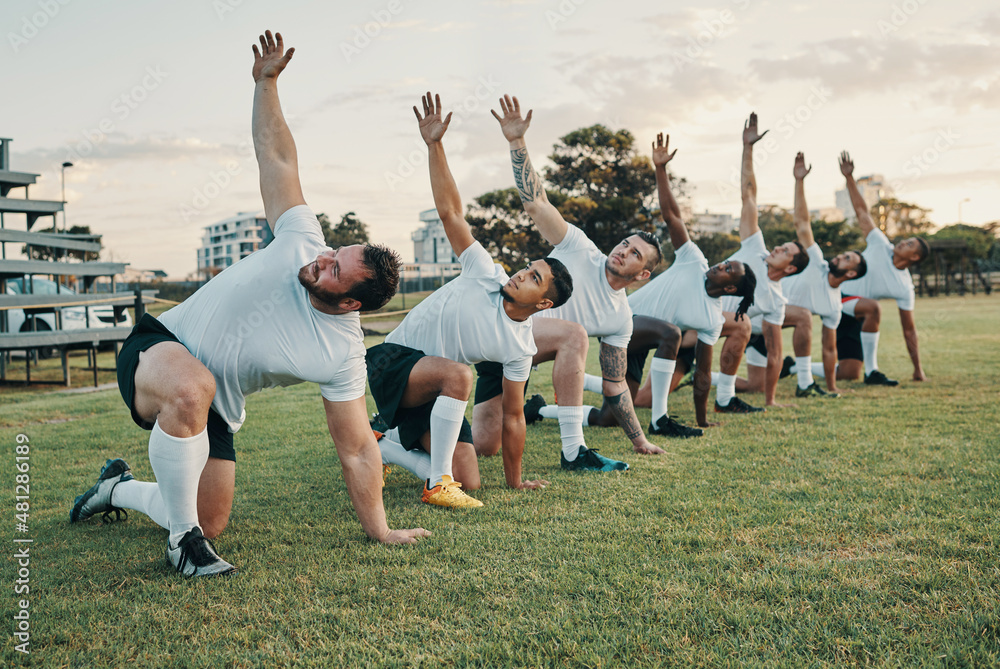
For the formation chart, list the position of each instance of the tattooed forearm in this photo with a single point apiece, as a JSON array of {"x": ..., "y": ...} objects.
[
  {"x": 621, "y": 407},
  {"x": 528, "y": 185}
]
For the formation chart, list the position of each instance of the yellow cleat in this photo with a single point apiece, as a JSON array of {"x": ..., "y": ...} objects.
[{"x": 448, "y": 493}]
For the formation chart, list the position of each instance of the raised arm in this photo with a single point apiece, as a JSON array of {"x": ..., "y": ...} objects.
[
  {"x": 613, "y": 365},
  {"x": 865, "y": 222},
  {"x": 447, "y": 201},
  {"x": 546, "y": 217},
  {"x": 800, "y": 213},
  {"x": 272, "y": 140},
  {"x": 748, "y": 182},
  {"x": 668, "y": 205}
]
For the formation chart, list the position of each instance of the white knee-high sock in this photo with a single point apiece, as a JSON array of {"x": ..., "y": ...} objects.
[
  {"x": 446, "y": 423},
  {"x": 661, "y": 370},
  {"x": 804, "y": 371},
  {"x": 587, "y": 408},
  {"x": 725, "y": 391},
  {"x": 141, "y": 496},
  {"x": 594, "y": 384},
  {"x": 571, "y": 430},
  {"x": 549, "y": 411},
  {"x": 177, "y": 463},
  {"x": 869, "y": 350},
  {"x": 416, "y": 462},
  {"x": 715, "y": 379},
  {"x": 817, "y": 370}
]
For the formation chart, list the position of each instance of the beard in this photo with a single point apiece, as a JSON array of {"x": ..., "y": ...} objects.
[
  {"x": 308, "y": 281},
  {"x": 837, "y": 272},
  {"x": 505, "y": 295},
  {"x": 618, "y": 273}
]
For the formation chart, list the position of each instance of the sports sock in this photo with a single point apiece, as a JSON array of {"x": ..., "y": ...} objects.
[
  {"x": 417, "y": 462},
  {"x": 549, "y": 411},
  {"x": 587, "y": 409},
  {"x": 661, "y": 370},
  {"x": 715, "y": 379},
  {"x": 817, "y": 370},
  {"x": 446, "y": 423},
  {"x": 594, "y": 384},
  {"x": 725, "y": 391},
  {"x": 869, "y": 349},
  {"x": 804, "y": 371},
  {"x": 141, "y": 496},
  {"x": 571, "y": 431},
  {"x": 178, "y": 463}
]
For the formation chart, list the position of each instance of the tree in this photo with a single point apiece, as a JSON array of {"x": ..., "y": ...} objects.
[
  {"x": 350, "y": 230},
  {"x": 980, "y": 240},
  {"x": 499, "y": 223},
  {"x": 51, "y": 253},
  {"x": 900, "y": 219},
  {"x": 833, "y": 238},
  {"x": 718, "y": 246}
]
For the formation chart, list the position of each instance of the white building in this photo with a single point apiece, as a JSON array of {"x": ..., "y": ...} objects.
[
  {"x": 430, "y": 243},
  {"x": 707, "y": 223},
  {"x": 231, "y": 239},
  {"x": 873, "y": 188}
]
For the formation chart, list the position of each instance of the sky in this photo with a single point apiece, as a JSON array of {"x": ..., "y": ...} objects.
[{"x": 151, "y": 102}]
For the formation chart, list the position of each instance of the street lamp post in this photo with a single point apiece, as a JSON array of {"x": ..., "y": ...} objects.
[
  {"x": 960, "y": 208},
  {"x": 64, "y": 166}
]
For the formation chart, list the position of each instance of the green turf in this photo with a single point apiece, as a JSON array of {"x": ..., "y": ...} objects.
[{"x": 860, "y": 531}]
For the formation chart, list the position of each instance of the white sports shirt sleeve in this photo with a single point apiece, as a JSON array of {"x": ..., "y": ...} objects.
[{"x": 882, "y": 280}]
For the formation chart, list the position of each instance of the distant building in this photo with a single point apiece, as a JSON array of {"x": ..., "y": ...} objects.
[
  {"x": 707, "y": 223},
  {"x": 231, "y": 239},
  {"x": 873, "y": 188},
  {"x": 430, "y": 243},
  {"x": 827, "y": 214}
]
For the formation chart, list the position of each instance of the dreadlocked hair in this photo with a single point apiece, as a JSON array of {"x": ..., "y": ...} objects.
[{"x": 745, "y": 288}]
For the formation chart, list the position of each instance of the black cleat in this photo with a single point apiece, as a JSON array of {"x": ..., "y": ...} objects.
[
  {"x": 666, "y": 426},
  {"x": 814, "y": 391},
  {"x": 589, "y": 460},
  {"x": 877, "y": 378},
  {"x": 786, "y": 367},
  {"x": 736, "y": 405},
  {"x": 531, "y": 409},
  {"x": 194, "y": 556},
  {"x": 97, "y": 500}
]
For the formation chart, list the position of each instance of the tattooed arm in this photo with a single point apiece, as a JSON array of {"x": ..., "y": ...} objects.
[
  {"x": 546, "y": 217},
  {"x": 613, "y": 364}
]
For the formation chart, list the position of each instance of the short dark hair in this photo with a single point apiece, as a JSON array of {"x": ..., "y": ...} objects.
[
  {"x": 745, "y": 289},
  {"x": 561, "y": 286},
  {"x": 862, "y": 266},
  {"x": 382, "y": 280},
  {"x": 925, "y": 249},
  {"x": 800, "y": 260},
  {"x": 650, "y": 239}
]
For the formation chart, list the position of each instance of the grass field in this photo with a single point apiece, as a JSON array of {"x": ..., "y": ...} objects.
[{"x": 859, "y": 531}]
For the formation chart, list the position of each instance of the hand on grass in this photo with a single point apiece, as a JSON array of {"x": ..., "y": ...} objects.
[
  {"x": 533, "y": 485},
  {"x": 405, "y": 536},
  {"x": 648, "y": 448}
]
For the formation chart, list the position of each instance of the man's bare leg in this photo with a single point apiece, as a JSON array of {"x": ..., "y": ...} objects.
[{"x": 566, "y": 343}]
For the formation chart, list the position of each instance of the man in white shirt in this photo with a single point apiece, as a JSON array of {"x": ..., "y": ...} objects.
[
  {"x": 285, "y": 314},
  {"x": 767, "y": 315},
  {"x": 689, "y": 294},
  {"x": 420, "y": 376},
  {"x": 888, "y": 277},
  {"x": 817, "y": 289},
  {"x": 598, "y": 308}
]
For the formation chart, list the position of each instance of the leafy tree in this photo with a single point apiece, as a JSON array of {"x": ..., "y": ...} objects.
[
  {"x": 718, "y": 246},
  {"x": 499, "y": 223},
  {"x": 980, "y": 240},
  {"x": 350, "y": 230},
  {"x": 902, "y": 219},
  {"x": 52, "y": 253}
]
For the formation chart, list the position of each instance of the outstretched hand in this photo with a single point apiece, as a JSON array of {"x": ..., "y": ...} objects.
[
  {"x": 270, "y": 59},
  {"x": 846, "y": 164},
  {"x": 404, "y": 536},
  {"x": 432, "y": 128},
  {"x": 661, "y": 150},
  {"x": 648, "y": 448},
  {"x": 511, "y": 123},
  {"x": 750, "y": 134},
  {"x": 800, "y": 170}
]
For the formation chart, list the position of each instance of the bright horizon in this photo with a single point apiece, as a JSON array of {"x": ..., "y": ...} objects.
[{"x": 152, "y": 103}]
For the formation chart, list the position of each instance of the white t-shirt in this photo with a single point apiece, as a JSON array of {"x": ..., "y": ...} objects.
[
  {"x": 678, "y": 296},
  {"x": 882, "y": 280},
  {"x": 811, "y": 289},
  {"x": 253, "y": 326},
  {"x": 599, "y": 308},
  {"x": 768, "y": 300},
  {"x": 465, "y": 321}
]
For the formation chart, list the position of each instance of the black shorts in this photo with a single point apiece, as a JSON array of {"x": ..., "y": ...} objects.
[
  {"x": 389, "y": 367},
  {"x": 849, "y": 338},
  {"x": 635, "y": 362},
  {"x": 757, "y": 343},
  {"x": 686, "y": 355},
  {"x": 489, "y": 381},
  {"x": 147, "y": 333}
]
